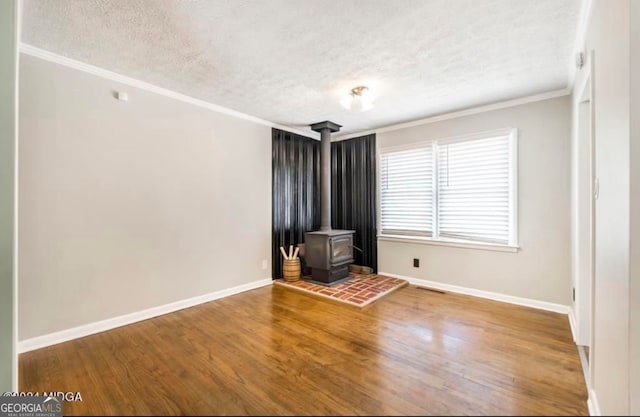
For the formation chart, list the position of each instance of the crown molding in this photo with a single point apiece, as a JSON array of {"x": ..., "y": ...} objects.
[
  {"x": 123, "y": 79},
  {"x": 461, "y": 113},
  {"x": 113, "y": 76}
]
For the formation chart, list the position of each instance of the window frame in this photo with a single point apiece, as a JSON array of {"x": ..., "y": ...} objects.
[{"x": 435, "y": 239}]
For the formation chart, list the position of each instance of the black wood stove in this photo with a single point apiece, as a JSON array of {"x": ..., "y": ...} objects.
[{"x": 328, "y": 252}]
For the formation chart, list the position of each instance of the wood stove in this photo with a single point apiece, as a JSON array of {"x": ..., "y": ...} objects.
[{"x": 327, "y": 252}]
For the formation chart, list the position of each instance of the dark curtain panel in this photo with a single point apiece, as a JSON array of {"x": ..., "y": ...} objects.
[
  {"x": 296, "y": 191},
  {"x": 353, "y": 188}
]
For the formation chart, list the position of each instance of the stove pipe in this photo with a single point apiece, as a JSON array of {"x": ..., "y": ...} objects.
[{"x": 325, "y": 128}]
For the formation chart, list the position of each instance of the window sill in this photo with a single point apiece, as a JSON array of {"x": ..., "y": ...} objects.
[{"x": 452, "y": 243}]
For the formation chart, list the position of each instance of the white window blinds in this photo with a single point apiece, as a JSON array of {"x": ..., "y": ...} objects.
[
  {"x": 406, "y": 199},
  {"x": 473, "y": 190},
  {"x": 462, "y": 189}
]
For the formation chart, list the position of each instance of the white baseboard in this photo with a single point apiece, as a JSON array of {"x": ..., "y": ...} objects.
[
  {"x": 527, "y": 302},
  {"x": 592, "y": 404},
  {"x": 573, "y": 324},
  {"x": 108, "y": 324},
  {"x": 584, "y": 364}
]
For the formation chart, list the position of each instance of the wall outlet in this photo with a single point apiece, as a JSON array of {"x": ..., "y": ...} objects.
[
  {"x": 416, "y": 263},
  {"x": 265, "y": 264}
]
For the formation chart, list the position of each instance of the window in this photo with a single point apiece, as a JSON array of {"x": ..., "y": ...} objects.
[
  {"x": 452, "y": 190},
  {"x": 407, "y": 192}
]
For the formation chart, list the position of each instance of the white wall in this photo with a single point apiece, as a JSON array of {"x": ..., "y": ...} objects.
[
  {"x": 634, "y": 256},
  {"x": 130, "y": 205},
  {"x": 8, "y": 80},
  {"x": 608, "y": 38},
  {"x": 541, "y": 269}
]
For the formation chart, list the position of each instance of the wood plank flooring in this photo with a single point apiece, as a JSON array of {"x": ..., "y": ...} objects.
[{"x": 273, "y": 351}]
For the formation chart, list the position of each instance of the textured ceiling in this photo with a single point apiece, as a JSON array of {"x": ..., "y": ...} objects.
[{"x": 291, "y": 61}]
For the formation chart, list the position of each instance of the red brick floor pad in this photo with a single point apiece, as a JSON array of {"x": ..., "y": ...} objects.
[{"x": 359, "y": 290}]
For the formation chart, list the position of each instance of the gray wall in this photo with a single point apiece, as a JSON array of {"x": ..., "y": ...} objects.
[
  {"x": 8, "y": 74},
  {"x": 129, "y": 205},
  {"x": 541, "y": 269},
  {"x": 634, "y": 256}
]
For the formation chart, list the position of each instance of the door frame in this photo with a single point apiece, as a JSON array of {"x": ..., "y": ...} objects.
[
  {"x": 584, "y": 210},
  {"x": 584, "y": 194}
]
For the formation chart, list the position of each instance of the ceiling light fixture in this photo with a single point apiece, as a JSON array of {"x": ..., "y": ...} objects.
[{"x": 359, "y": 99}]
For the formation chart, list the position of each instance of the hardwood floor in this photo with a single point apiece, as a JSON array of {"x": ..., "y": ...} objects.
[{"x": 274, "y": 351}]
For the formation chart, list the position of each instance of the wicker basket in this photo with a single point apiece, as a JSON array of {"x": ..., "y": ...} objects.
[{"x": 291, "y": 269}]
